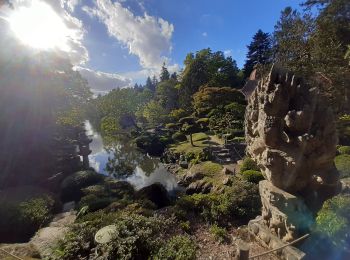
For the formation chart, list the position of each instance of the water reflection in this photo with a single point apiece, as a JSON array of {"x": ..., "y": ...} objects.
[{"x": 118, "y": 157}]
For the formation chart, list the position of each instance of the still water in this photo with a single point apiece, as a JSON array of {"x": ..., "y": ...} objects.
[{"x": 121, "y": 159}]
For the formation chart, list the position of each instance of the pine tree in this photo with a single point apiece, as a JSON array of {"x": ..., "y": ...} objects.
[
  {"x": 292, "y": 41},
  {"x": 259, "y": 52},
  {"x": 164, "y": 75},
  {"x": 174, "y": 76},
  {"x": 150, "y": 85}
]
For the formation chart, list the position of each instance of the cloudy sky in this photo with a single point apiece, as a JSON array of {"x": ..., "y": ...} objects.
[{"x": 118, "y": 43}]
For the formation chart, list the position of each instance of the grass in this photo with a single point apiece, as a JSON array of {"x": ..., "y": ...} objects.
[
  {"x": 199, "y": 140},
  {"x": 342, "y": 162},
  {"x": 200, "y": 136}
]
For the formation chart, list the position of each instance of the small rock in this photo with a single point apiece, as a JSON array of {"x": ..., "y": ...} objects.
[
  {"x": 227, "y": 171},
  {"x": 68, "y": 206},
  {"x": 227, "y": 181}
]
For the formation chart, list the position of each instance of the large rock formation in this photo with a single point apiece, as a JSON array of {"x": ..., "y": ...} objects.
[{"x": 291, "y": 134}]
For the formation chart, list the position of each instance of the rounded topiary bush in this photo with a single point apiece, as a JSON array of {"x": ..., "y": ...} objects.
[
  {"x": 151, "y": 144},
  {"x": 342, "y": 162},
  {"x": 344, "y": 150},
  {"x": 249, "y": 164},
  {"x": 71, "y": 187},
  {"x": 252, "y": 176},
  {"x": 179, "y": 137}
]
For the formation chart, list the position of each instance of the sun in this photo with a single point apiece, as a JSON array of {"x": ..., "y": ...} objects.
[{"x": 39, "y": 26}]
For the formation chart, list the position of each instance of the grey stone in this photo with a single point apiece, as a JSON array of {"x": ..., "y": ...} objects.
[{"x": 291, "y": 134}]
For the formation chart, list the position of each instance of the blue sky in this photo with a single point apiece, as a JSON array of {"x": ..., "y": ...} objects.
[{"x": 121, "y": 42}]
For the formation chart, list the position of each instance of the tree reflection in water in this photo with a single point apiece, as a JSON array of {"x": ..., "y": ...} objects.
[{"x": 125, "y": 158}]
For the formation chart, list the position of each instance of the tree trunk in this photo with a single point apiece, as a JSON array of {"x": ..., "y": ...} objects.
[{"x": 191, "y": 140}]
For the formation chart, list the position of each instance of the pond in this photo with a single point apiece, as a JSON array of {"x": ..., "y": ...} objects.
[{"x": 118, "y": 157}]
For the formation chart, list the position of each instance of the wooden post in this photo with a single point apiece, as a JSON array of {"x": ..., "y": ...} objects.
[{"x": 242, "y": 250}]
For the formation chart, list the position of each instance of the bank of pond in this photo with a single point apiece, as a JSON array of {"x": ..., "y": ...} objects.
[{"x": 130, "y": 205}]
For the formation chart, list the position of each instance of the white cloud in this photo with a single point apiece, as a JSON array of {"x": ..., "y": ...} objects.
[
  {"x": 71, "y": 4},
  {"x": 101, "y": 82},
  {"x": 146, "y": 36},
  {"x": 204, "y": 34},
  {"x": 228, "y": 53}
]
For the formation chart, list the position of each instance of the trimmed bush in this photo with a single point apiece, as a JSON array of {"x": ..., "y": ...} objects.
[
  {"x": 252, "y": 176},
  {"x": 333, "y": 220},
  {"x": 344, "y": 150},
  {"x": 151, "y": 144},
  {"x": 342, "y": 162},
  {"x": 20, "y": 220},
  {"x": 249, "y": 164},
  {"x": 171, "y": 126},
  {"x": 179, "y": 248},
  {"x": 200, "y": 137},
  {"x": 71, "y": 187},
  {"x": 239, "y": 202},
  {"x": 179, "y": 137},
  {"x": 95, "y": 202}
]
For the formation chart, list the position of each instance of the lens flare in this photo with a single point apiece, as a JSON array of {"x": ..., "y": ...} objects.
[{"x": 39, "y": 26}]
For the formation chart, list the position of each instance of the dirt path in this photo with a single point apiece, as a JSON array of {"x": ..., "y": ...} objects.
[
  {"x": 209, "y": 248},
  {"x": 40, "y": 245},
  {"x": 48, "y": 236}
]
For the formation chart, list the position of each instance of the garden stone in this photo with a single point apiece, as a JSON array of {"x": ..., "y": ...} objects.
[
  {"x": 155, "y": 193},
  {"x": 291, "y": 134}
]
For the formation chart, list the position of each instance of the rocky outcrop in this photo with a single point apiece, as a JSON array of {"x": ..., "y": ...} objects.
[
  {"x": 291, "y": 134},
  {"x": 284, "y": 214}
]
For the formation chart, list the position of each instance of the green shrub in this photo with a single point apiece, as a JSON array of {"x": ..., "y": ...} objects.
[
  {"x": 185, "y": 226},
  {"x": 95, "y": 202},
  {"x": 171, "y": 126},
  {"x": 249, "y": 164},
  {"x": 333, "y": 220},
  {"x": 188, "y": 120},
  {"x": 135, "y": 237},
  {"x": 342, "y": 162},
  {"x": 177, "y": 248},
  {"x": 166, "y": 140},
  {"x": 176, "y": 114},
  {"x": 179, "y": 137},
  {"x": 220, "y": 234},
  {"x": 20, "y": 220},
  {"x": 252, "y": 176},
  {"x": 71, "y": 187},
  {"x": 239, "y": 202},
  {"x": 344, "y": 150},
  {"x": 151, "y": 144}
]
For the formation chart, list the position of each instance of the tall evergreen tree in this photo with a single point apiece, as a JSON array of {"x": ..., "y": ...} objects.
[
  {"x": 259, "y": 52},
  {"x": 291, "y": 38},
  {"x": 174, "y": 76},
  {"x": 150, "y": 85},
  {"x": 164, "y": 75}
]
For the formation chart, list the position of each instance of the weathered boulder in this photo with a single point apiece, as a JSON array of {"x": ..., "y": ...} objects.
[
  {"x": 286, "y": 215},
  {"x": 190, "y": 176},
  {"x": 155, "y": 193},
  {"x": 200, "y": 186},
  {"x": 71, "y": 187},
  {"x": 291, "y": 134}
]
